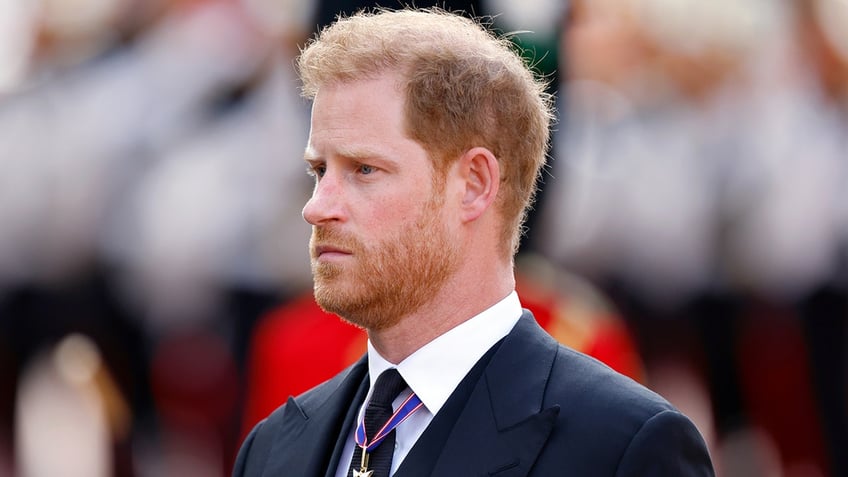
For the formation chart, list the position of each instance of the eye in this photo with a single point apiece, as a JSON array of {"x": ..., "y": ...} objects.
[
  {"x": 366, "y": 169},
  {"x": 316, "y": 170}
]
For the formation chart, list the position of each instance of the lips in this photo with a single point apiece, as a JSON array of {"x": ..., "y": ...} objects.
[
  {"x": 320, "y": 251},
  {"x": 327, "y": 243}
]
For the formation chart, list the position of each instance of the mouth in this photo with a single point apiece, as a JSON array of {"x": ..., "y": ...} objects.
[{"x": 329, "y": 251}]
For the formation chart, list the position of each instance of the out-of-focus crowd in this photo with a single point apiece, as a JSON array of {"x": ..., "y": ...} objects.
[
  {"x": 149, "y": 205},
  {"x": 151, "y": 188},
  {"x": 700, "y": 178}
]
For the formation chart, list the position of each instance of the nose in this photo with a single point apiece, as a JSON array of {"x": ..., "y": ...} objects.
[{"x": 326, "y": 203}]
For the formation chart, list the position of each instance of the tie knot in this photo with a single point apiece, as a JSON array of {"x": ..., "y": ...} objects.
[{"x": 387, "y": 387}]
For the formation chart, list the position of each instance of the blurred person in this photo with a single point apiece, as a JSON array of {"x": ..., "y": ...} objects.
[
  {"x": 789, "y": 246},
  {"x": 207, "y": 276},
  {"x": 791, "y": 243},
  {"x": 107, "y": 120},
  {"x": 414, "y": 145},
  {"x": 34, "y": 318},
  {"x": 70, "y": 33},
  {"x": 17, "y": 39},
  {"x": 648, "y": 103},
  {"x": 704, "y": 179},
  {"x": 654, "y": 104},
  {"x": 794, "y": 147},
  {"x": 55, "y": 52},
  {"x": 179, "y": 259},
  {"x": 203, "y": 239},
  {"x": 70, "y": 413},
  {"x": 44, "y": 37},
  {"x": 113, "y": 114}
]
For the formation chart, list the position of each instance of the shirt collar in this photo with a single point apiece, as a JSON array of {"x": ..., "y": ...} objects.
[{"x": 435, "y": 370}]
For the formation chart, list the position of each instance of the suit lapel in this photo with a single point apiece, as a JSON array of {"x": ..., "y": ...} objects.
[
  {"x": 316, "y": 424},
  {"x": 503, "y": 427},
  {"x": 347, "y": 426}
]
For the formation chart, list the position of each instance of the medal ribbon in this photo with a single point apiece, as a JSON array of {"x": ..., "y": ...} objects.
[{"x": 409, "y": 406}]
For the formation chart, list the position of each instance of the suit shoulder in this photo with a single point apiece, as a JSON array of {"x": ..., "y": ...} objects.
[
  {"x": 626, "y": 428},
  {"x": 579, "y": 378}
]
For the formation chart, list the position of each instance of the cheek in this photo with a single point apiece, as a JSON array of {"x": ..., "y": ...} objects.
[
  {"x": 392, "y": 205},
  {"x": 389, "y": 215}
]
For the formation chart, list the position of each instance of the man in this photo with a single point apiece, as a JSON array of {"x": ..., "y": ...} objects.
[{"x": 426, "y": 141}]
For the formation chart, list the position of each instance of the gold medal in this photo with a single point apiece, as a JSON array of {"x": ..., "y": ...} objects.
[{"x": 363, "y": 467}]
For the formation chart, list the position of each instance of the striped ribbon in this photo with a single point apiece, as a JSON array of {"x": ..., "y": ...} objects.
[{"x": 409, "y": 406}]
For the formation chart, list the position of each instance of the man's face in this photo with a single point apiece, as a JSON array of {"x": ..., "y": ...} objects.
[{"x": 380, "y": 247}]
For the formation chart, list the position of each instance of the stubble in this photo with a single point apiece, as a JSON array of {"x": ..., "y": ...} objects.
[{"x": 387, "y": 280}]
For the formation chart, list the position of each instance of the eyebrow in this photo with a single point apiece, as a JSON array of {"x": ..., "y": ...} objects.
[
  {"x": 309, "y": 155},
  {"x": 354, "y": 153}
]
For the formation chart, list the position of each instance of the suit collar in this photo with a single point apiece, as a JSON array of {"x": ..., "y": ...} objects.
[
  {"x": 503, "y": 425},
  {"x": 519, "y": 372},
  {"x": 435, "y": 370}
]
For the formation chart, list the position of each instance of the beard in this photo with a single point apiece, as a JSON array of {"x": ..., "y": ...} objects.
[{"x": 387, "y": 280}]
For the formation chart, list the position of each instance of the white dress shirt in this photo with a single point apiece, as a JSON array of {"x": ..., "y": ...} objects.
[{"x": 434, "y": 371}]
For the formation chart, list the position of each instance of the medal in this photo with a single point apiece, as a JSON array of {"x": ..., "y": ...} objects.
[
  {"x": 409, "y": 406},
  {"x": 363, "y": 468}
]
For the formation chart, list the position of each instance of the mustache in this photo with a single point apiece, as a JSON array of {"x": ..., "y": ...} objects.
[{"x": 323, "y": 237}]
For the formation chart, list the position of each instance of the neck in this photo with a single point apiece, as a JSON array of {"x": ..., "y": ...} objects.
[{"x": 461, "y": 298}]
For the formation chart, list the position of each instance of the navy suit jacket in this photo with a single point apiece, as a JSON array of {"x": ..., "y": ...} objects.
[{"x": 536, "y": 408}]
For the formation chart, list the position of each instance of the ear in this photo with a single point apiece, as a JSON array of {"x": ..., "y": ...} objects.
[{"x": 481, "y": 176}]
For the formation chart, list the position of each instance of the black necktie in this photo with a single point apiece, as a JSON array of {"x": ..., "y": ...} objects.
[{"x": 387, "y": 387}]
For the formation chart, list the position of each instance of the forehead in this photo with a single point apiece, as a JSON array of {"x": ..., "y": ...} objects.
[
  {"x": 371, "y": 97},
  {"x": 356, "y": 118}
]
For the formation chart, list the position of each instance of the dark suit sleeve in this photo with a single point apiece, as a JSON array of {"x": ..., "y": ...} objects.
[
  {"x": 667, "y": 445},
  {"x": 240, "y": 467}
]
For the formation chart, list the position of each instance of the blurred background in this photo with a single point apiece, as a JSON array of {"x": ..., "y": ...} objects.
[{"x": 691, "y": 231}]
